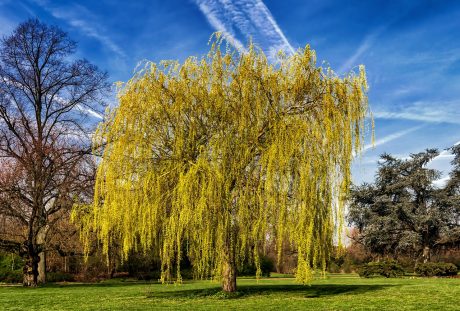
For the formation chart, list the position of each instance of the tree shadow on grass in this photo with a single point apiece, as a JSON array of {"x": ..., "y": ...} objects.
[
  {"x": 116, "y": 283},
  {"x": 244, "y": 291}
]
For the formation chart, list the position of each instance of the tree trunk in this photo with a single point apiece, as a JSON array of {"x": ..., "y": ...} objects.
[
  {"x": 229, "y": 270},
  {"x": 426, "y": 254},
  {"x": 41, "y": 242},
  {"x": 30, "y": 270},
  {"x": 34, "y": 271},
  {"x": 42, "y": 268}
]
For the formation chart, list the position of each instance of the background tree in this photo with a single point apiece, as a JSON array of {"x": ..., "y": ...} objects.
[
  {"x": 45, "y": 98},
  {"x": 451, "y": 200},
  {"x": 224, "y": 154},
  {"x": 402, "y": 213}
]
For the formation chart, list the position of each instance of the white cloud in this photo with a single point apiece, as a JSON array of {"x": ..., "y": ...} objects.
[
  {"x": 390, "y": 137},
  {"x": 444, "y": 154},
  {"x": 439, "y": 183},
  {"x": 433, "y": 112},
  {"x": 364, "y": 168},
  {"x": 60, "y": 100},
  {"x": 77, "y": 17},
  {"x": 363, "y": 47},
  {"x": 213, "y": 19},
  {"x": 271, "y": 29},
  {"x": 443, "y": 164},
  {"x": 90, "y": 111},
  {"x": 350, "y": 62},
  {"x": 89, "y": 30},
  {"x": 249, "y": 19}
]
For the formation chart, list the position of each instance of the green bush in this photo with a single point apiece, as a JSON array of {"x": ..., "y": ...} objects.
[
  {"x": 388, "y": 269},
  {"x": 10, "y": 262},
  {"x": 59, "y": 277},
  {"x": 341, "y": 263},
  {"x": 436, "y": 269},
  {"x": 249, "y": 269},
  {"x": 10, "y": 268},
  {"x": 15, "y": 276},
  {"x": 266, "y": 265},
  {"x": 10, "y": 276}
]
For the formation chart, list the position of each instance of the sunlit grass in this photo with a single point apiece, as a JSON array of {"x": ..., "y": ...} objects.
[{"x": 337, "y": 292}]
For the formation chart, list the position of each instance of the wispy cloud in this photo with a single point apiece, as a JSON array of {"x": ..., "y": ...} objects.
[
  {"x": 446, "y": 153},
  {"x": 60, "y": 100},
  {"x": 351, "y": 61},
  {"x": 443, "y": 164},
  {"x": 391, "y": 137},
  {"x": 212, "y": 15},
  {"x": 433, "y": 112},
  {"x": 248, "y": 20},
  {"x": 78, "y": 17},
  {"x": 362, "y": 48},
  {"x": 90, "y": 111},
  {"x": 440, "y": 183}
]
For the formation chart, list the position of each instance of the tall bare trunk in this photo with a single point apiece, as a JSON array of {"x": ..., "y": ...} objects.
[{"x": 41, "y": 241}]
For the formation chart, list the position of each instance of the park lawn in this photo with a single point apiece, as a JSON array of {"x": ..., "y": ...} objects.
[{"x": 336, "y": 292}]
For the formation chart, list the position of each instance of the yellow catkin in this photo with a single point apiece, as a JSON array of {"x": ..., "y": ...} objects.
[{"x": 229, "y": 142}]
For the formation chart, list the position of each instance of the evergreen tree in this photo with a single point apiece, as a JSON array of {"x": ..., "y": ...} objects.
[{"x": 402, "y": 212}]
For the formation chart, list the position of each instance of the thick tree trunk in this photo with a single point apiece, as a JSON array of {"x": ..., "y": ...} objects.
[
  {"x": 42, "y": 268},
  {"x": 35, "y": 265},
  {"x": 30, "y": 270},
  {"x": 41, "y": 243},
  {"x": 229, "y": 277},
  {"x": 229, "y": 270}
]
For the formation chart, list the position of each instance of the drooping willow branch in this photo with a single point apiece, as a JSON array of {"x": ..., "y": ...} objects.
[{"x": 228, "y": 152}]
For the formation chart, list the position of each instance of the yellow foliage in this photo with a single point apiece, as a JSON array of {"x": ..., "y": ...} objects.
[{"x": 226, "y": 153}]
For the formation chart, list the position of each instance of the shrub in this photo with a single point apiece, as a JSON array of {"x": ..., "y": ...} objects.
[
  {"x": 436, "y": 269},
  {"x": 120, "y": 275},
  {"x": 10, "y": 262},
  {"x": 9, "y": 276},
  {"x": 249, "y": 269},
  {"x": 59, "y": 277},
  {"x": 266, "y": 265},
  {"x": 388, "y": 269},
  {"x": 341, "y": 263},
  {"x": 10, "y": 268}
]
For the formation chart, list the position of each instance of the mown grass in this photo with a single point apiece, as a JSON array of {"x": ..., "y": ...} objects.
[{"x": 337, "y": 292}]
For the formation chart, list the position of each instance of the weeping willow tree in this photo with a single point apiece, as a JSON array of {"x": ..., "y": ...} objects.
[{"x": 216, "y": 157}]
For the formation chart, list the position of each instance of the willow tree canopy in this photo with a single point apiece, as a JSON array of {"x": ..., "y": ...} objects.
[{"x": 218, "y": 156}]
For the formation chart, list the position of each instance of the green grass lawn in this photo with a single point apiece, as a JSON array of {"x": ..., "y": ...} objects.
[{"x": 337, "y": 292}]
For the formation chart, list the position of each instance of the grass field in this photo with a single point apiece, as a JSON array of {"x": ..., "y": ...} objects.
[{"x": 337, "y": 292}]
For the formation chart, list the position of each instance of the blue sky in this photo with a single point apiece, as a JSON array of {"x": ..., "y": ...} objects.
[{"x": 411, "y": 50}]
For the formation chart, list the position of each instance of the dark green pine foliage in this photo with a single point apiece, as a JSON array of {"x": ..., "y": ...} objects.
[
  {"x": 451, "y": 201},
  {"x": 402, "y": 212}
]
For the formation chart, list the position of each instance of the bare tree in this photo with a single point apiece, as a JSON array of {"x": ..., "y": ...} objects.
[{"x": 46, "y": 102}]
